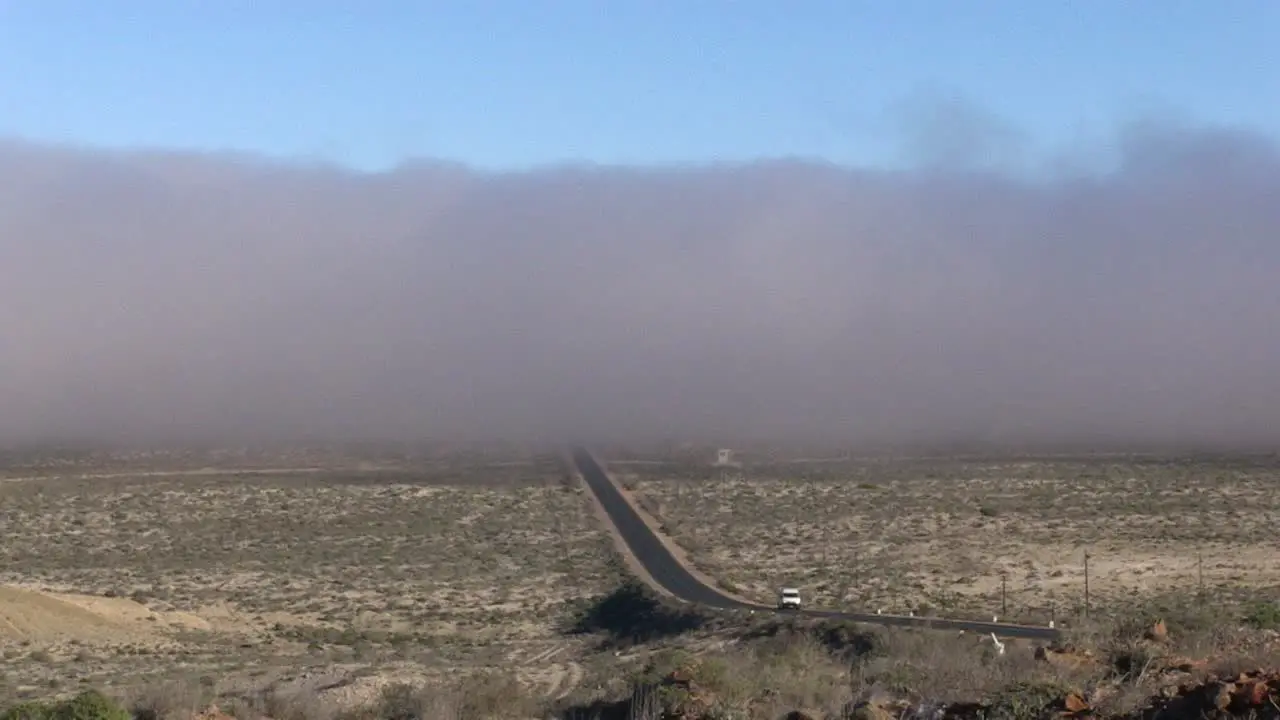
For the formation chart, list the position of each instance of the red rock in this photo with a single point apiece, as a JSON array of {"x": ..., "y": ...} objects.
[
  {"x": 1257, "y": 693},
  {"x": 1075, "y": 704}
]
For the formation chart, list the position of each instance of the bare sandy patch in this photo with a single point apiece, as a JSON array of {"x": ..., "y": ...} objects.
[{"x": 33, "y": 616}]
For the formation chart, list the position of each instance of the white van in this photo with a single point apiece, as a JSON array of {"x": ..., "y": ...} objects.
[{"x": 789, "y": 599}]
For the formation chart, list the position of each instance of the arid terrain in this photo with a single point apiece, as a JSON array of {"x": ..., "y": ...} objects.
[
  {"x": 362, "y": 583},
  {"x": 949, "y": 535},
  {"x": 247, "y": 569}
]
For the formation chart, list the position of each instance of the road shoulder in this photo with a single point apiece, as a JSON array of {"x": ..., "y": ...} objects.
[
  {"x": 654, "y": 526},
  {"x": 628, "y": 557}
]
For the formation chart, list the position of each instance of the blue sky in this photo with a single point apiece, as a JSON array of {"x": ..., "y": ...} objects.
[{"x": 514, "y": 83}]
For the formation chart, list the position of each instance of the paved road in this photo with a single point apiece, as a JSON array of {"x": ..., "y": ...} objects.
[{"x": 663, "y": 567}]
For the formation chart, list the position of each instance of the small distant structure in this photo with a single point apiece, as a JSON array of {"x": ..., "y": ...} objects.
[{"x": 724, "y": 458}]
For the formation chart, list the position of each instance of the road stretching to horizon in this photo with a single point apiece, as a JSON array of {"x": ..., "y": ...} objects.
[{"x": 675, "y": 578}]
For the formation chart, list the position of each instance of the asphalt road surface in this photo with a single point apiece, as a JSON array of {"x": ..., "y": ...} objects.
[{"x": 665, "y": 570}]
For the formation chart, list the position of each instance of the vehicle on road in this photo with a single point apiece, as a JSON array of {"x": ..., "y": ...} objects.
[
  {"x": 669, "y": 574},
  {"x": 789, "y": 599}
]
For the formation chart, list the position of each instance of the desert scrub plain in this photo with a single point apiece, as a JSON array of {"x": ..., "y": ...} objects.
[
  {"x": 451, "y": 586},
  {"x": 298, "y": 568},
  {"x": 671, "y": 663},
  {"x": 940, "y": 535}
]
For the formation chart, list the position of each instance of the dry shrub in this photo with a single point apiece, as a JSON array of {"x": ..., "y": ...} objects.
[
  {"x": 402, "y": 701},
  {"x": 765, "y": 681},
  {"x": 283, "y": 706},
  {"x": 485, "y": 696},
  {"x": 935, "y": 666},
  {"x": 804, "y": 675},
  {"x": 493, "y": 695},
  {"x": 1130, "y": 649},
  {"x": 172, "y": 700}
]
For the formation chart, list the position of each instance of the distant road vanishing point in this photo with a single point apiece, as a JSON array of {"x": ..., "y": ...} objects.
[{"x": 668, "y": 572}]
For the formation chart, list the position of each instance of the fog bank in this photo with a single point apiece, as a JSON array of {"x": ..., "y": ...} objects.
[{"x": 156, "y": 297}]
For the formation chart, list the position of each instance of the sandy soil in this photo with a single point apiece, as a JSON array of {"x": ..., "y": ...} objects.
[{"x": 27, "y": 614}]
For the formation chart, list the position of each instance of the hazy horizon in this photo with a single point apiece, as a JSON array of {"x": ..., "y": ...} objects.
[{"x": 159, "y": 296}]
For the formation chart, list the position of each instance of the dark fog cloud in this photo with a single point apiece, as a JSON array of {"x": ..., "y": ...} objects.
[{"x": 154, "y": 296}]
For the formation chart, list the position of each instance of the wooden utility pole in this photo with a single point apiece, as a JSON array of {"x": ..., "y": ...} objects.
[
  {"x": 1200, "y": 578},
  {"x": 1086, "y": 584},
  {"x": 856, "y": 575},
  {"x": 1004, "y": 595}
]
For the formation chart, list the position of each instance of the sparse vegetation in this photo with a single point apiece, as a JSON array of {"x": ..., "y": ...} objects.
[
  {"x": 419, "y": 564},
  {"x": 405, "y": 587},
  {"x": 768, "y": 668},
  {"x": 948, "y": 535}
]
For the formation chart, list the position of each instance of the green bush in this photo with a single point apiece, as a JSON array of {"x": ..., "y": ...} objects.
[
  {"x": 88, "y": 705},
  {"x": 1025, "y": 701},
  {"x": 28, "y": 711},
  {"x": 1264, "y": 616}
]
